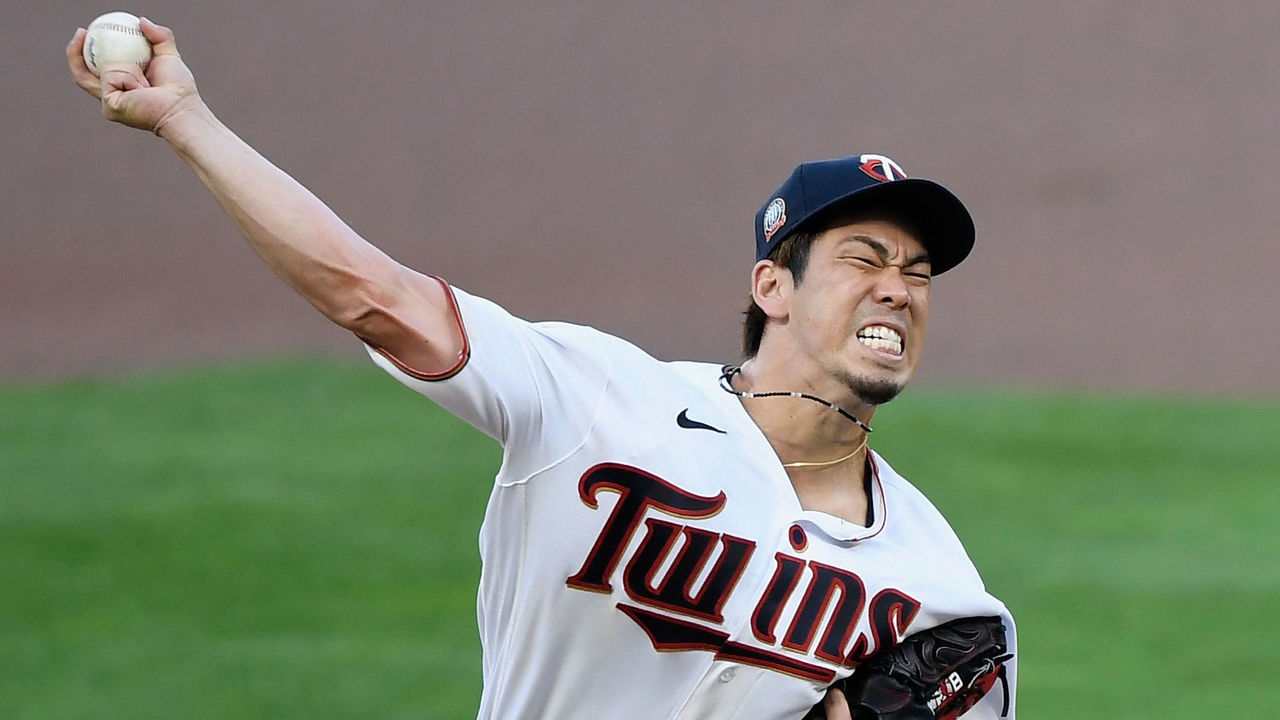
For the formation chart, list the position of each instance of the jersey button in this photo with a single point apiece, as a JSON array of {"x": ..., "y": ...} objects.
[{"x": 727, "y": 675}]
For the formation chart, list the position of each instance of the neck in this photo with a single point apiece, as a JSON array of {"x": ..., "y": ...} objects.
[
  {"x": 805, "y": 433},
  {"x": 827, "y": 463},
  {"x": 801, "y": 430},
  {"x": 840, "y": 490}
]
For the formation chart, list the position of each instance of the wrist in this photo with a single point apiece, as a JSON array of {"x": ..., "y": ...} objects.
[{"x": 185, "y": 122}]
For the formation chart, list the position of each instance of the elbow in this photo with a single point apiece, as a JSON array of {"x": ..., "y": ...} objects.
[
  {"x": 360, "y": 311},
  {"x": 361, "y": 321},
  {"x": 349, "y": 299},
  {"x": 376, "y": 325},
  {"x": 352, "y": 292},
  {"x": 387, "y": 310},
  {"x": 412, "y": 320}
]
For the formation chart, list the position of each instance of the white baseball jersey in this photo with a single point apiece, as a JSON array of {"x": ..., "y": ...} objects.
[{"x": 644, "y": 553}]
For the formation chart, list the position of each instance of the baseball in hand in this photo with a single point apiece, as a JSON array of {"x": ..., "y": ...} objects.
[{"x": 116, "y": 38}]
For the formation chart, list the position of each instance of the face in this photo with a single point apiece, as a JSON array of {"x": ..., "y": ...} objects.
[{"x": 859, "y": 315}]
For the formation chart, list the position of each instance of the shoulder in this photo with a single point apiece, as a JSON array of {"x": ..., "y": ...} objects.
[
  {"x": 698, "y": 373},
  {"x": 910, "y": 514},
  {"x": 478, "y": 313},
  {"x": 894, "y": 483}
]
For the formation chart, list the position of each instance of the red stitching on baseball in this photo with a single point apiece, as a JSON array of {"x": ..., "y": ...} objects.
[{"x": 118, "y": 28}]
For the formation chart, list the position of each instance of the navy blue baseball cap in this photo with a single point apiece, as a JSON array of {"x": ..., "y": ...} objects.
[{"x": 871, "y": 182}]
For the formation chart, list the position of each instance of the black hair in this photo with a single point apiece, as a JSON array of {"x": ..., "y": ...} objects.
[{"x": 793, "y": 254}]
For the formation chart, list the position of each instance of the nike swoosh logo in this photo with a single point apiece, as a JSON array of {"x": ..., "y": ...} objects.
[{"x": 683, "y": 421}]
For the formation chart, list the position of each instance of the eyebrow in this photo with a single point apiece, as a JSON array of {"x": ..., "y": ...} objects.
[{"x": 883, "y": 252}]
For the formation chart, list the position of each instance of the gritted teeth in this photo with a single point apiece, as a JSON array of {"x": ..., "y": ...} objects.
[{"x": 879, "y": 337}]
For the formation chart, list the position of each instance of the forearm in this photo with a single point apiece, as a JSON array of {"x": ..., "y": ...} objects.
[
  {"x": 304, "y": 242},
  {"x": 353, "y": 283}
]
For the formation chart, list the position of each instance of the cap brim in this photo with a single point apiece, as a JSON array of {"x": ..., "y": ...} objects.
[{"x": 945, "y": 224}]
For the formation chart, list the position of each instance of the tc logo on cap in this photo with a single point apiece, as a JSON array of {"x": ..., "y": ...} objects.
[
  {"x": 881, "y": 168},
  {"x": 775, "y": 216}
]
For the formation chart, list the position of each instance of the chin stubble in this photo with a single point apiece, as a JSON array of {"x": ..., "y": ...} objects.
[{"x": 875, "y": 392}]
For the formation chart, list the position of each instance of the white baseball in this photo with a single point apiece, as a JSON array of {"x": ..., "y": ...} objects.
[{"x": 116, "y": 38}]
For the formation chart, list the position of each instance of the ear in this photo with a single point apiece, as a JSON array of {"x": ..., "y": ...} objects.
[{"x": 771, "y": 287}]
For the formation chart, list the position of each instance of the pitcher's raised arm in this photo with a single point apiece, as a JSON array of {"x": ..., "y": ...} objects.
[{"x": 350, "y": 281}]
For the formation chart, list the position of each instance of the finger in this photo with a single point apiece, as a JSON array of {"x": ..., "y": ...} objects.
[
  {"x": 116, "y": 83},
  {"x": 118, "y": 70},
  {"x": 117, "y": 79},
  {"x": 75, "y": 48},
  {"x": 80, "y": 72},
  {"x": 161, "y": 38}
]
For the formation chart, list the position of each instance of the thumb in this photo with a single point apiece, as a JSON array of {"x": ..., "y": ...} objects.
[
  {"x": 836, "y": 706},
  {"x": 160, "y": 37}
]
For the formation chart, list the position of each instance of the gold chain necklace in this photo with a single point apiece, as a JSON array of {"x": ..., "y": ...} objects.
[{"x": 828, "y": 462}]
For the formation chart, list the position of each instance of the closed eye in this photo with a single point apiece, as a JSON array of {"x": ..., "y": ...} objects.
[
  {"x": 915, "y": 274},
  {"x": 863, "y": 261}
]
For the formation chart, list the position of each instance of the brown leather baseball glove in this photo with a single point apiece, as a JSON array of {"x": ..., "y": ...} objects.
[{"x": 935, "y": 674}]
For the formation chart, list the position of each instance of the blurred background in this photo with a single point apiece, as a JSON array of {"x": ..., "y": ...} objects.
[
  {"x": 212, "y": 506},
  {"x": 603, "y": 164}
]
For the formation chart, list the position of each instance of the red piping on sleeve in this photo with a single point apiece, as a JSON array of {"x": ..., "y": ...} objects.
[{"x": 463, "y": 355}]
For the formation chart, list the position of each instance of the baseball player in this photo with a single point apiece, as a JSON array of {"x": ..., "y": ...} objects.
[{"x": 670, "y": 539}]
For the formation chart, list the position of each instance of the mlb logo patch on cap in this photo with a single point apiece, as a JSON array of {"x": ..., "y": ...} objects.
[{"x": 775, "y": 216}]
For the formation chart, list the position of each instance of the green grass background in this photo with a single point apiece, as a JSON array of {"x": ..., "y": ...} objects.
[{"x": 298, "y": 540}]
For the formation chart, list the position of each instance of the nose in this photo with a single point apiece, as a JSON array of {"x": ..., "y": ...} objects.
[{"x": 891, "y": 288}]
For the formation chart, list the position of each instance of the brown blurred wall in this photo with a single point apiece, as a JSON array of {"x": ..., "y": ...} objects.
[{"x": 602, "y": 164}]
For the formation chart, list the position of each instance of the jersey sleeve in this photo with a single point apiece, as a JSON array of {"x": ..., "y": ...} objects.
[{"x": 534, "y": 387}]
